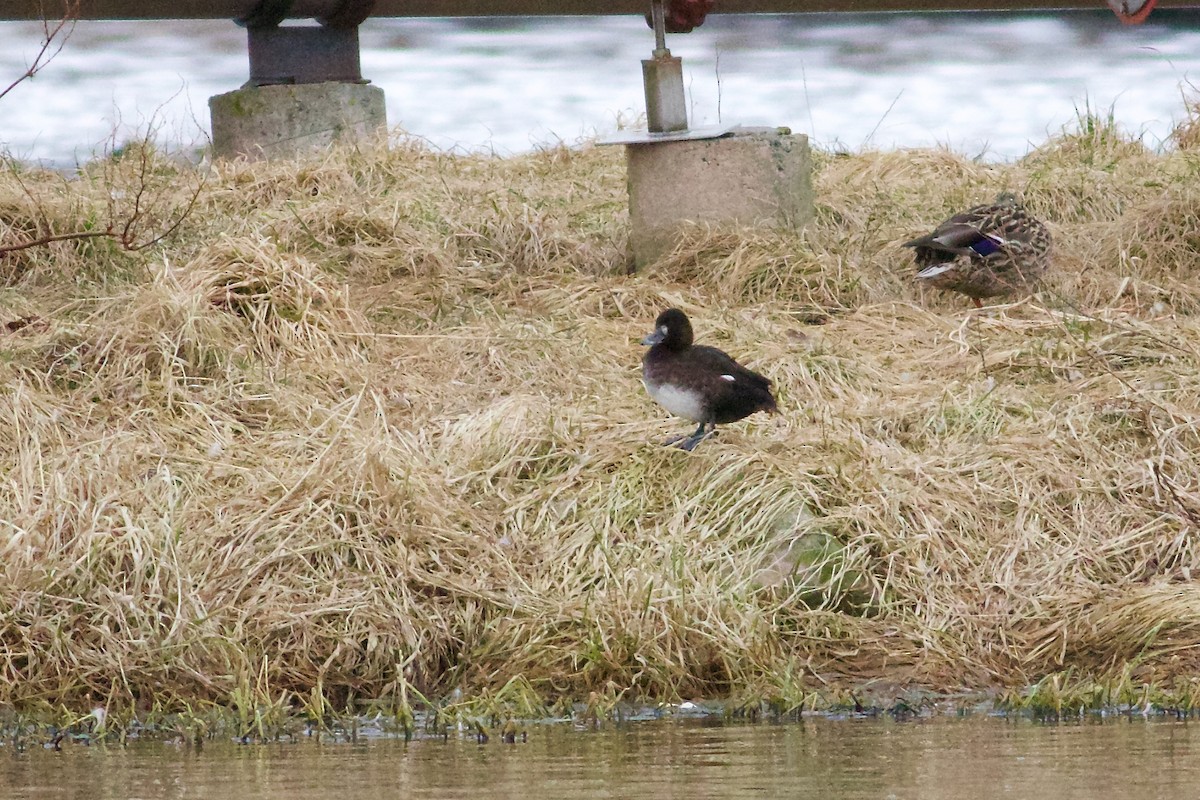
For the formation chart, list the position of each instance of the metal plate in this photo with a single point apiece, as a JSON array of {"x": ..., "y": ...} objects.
[{"x": 646, "y": 137}]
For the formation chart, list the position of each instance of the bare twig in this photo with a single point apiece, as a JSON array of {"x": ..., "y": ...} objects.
[
  {"x": 130, "y": 232},
  {"x": 138, "y": 218},
  {"x": 55, "y": 35},
  {"x": 57, "y": 237},
  {"x": 1173, "y": 490}
]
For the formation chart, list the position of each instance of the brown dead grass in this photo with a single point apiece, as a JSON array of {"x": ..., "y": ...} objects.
[{"x": 372, "y": 422}]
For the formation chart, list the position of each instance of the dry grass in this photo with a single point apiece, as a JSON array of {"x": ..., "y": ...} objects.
[{"x": 372, "y": 423}]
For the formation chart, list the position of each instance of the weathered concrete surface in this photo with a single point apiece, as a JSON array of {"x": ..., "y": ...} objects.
[
  {"x": 752, "y": 176},
  {"x": 281, "y": 121}
]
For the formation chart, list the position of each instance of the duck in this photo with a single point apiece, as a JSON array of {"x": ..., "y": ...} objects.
[
  {"x": 990, "y": 250},
  {"x": 698, "y": 382}
]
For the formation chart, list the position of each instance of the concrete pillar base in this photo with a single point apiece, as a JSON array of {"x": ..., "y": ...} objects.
[
  {"x": 752, "y": 176},
  {"x": 286, "y": 120}
]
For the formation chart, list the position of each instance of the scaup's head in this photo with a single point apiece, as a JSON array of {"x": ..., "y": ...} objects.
[{"x": 672, "y": 329}]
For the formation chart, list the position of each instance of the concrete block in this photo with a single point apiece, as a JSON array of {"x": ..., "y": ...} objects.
[
  {"x": 752, "y": 176},
  {"x": 286, "y": 120}
]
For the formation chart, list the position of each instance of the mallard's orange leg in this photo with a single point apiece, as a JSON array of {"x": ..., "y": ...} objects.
[{"x": 977, "y": 302}]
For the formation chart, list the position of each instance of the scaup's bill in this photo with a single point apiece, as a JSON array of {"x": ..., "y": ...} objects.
[{"x": 699, "y": 383}]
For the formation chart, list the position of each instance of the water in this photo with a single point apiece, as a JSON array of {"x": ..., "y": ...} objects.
[
  {"x": 982, "y": 84},
  {"x": 827, "y": 759}
]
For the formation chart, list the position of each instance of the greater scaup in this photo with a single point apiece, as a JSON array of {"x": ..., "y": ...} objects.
[{"x": 700, "y": 383}]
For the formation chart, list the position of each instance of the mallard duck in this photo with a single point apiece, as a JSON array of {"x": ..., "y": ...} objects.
[
  {"x": 697, "y": 382},
  {"x": 986, "y": 251}
]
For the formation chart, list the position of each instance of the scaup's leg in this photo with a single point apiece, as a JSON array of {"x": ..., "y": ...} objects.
[
  {"x": 687, "y": 442},
  {"x": 700, "y": 434}
]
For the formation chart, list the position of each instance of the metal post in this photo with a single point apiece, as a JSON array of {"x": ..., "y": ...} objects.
[
  {"x": 658, "y": 13},
  {"x": 662, "y": 76},
  {"x": 304, "y": 53}
]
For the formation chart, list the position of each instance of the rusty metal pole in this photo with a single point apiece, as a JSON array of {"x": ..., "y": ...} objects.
[{"x": 662, "y": 75}]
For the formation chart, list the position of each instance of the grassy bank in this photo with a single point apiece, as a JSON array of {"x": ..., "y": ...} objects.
[{"x": 371, "y": 426}]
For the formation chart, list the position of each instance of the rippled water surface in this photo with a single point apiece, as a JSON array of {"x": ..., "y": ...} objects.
[
  {"x": 832, "y": 760},
  {"x": 992, "y": 84}
]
